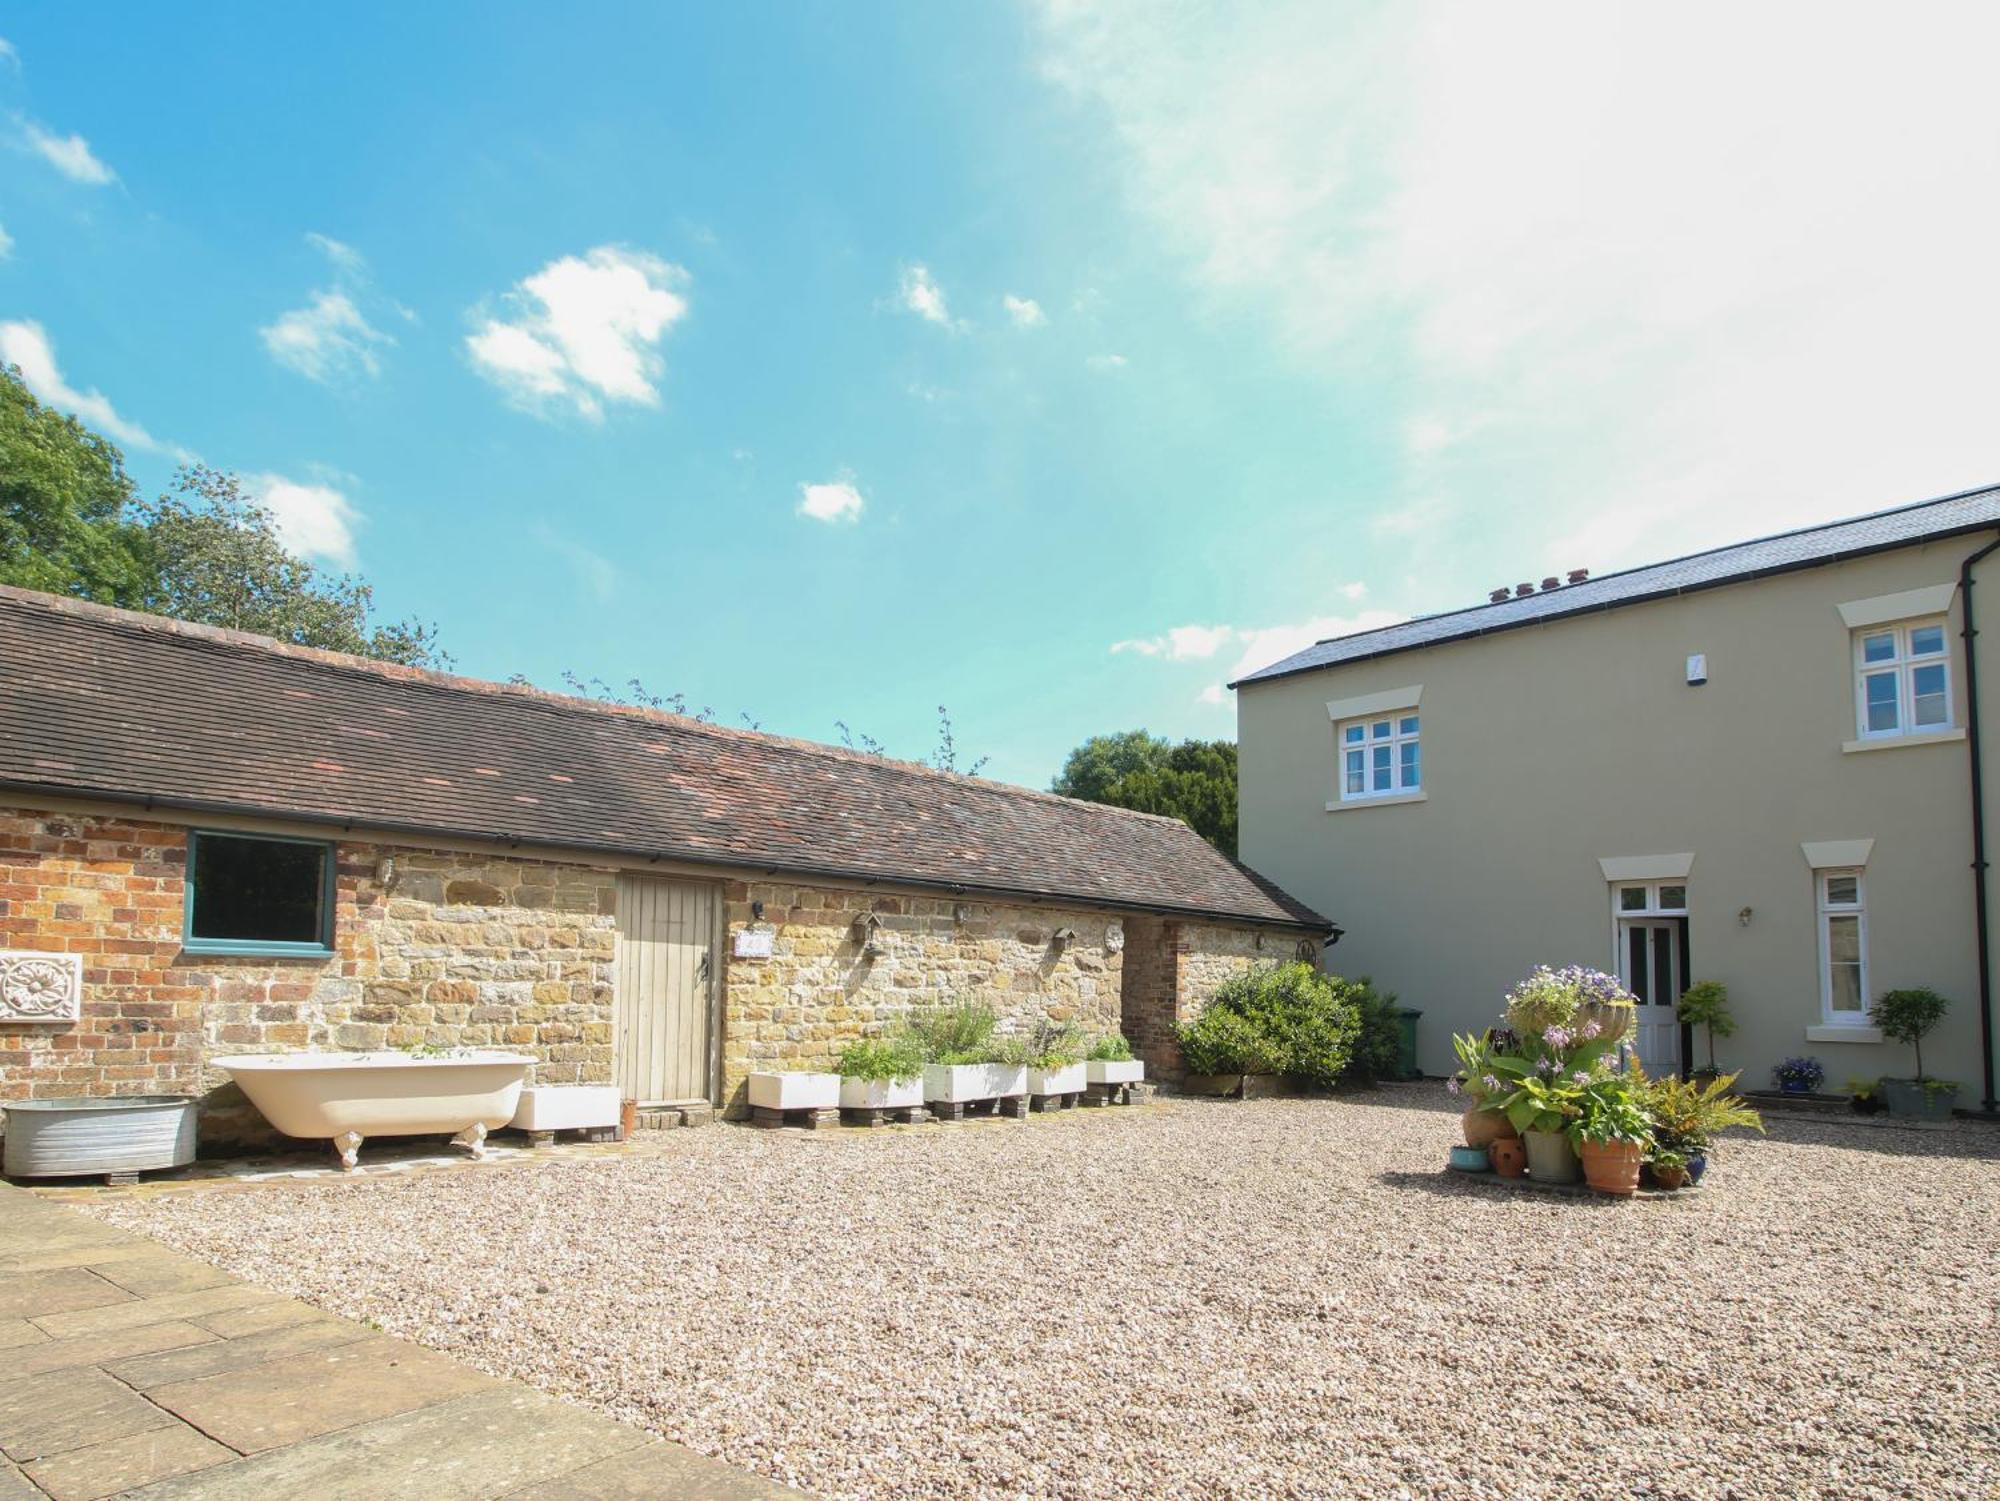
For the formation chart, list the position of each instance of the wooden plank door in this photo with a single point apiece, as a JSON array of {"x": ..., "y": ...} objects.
[{"x": 663, "y": 1037}]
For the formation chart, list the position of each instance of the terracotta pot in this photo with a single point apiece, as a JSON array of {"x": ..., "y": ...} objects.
[
  {"x": 1483, "y": 1127},
  {"x": 1510, "y": 1158},
  {"x": 1611, "y": 1167},
  {"x": 1551, "y": 1159},
  {"x": 1670, "y": 1178},
  {"x": 628, "y": 1119}
]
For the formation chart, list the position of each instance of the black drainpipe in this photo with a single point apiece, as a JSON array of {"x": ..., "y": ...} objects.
[{"x": 1979, "y": 924}]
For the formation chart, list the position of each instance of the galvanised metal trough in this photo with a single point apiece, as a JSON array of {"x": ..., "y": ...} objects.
[{"x": 117, "y": 1137}]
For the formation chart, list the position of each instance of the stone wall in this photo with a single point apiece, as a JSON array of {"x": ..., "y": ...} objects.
[
  {"x": 451, "y": 950},
  {"x": 820, "y": 990}
]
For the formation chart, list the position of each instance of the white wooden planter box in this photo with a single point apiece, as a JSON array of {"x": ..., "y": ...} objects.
[
  {"x": 1069, "y": 1079},
  {"x": 881, "y": 1094},
  {"x": 1116, "y": 1071},
  {"x": 795, "y": 1091},
  {"x": 567, "y": 1107},
  {"x": 956, "y": 1083}
]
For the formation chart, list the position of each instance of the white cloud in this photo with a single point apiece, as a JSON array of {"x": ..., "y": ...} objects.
[
  {"x": 1183, "y": 643},
  {"x": 326, "y": 339},
  {"x": 1648, "y": 321},
  {"x": 583, "y": 331},
  {"x": 1106, "y": 362},
  {"x": 26, "y": 344},
  {"x": 919, "y": 293},
  {"x": 70, "y": 155},
  {"x": 1271, "y": 643},
  {"x": 6, "y": 243},
  {"x": 316, "y": 521},
  {"x": 1355, "y": 592},
  {"x": 834, "y": 501},
  {"x": 1214, "y": 693},
  {"x": 345, "y": 258},
  {"x": 596, "y": 574},
  {"x": 9, "y": 53},
  {"x": 1025, "y": 311}
]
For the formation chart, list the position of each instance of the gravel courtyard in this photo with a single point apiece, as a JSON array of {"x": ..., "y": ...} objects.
[{"x": 1281, "y": 1298}]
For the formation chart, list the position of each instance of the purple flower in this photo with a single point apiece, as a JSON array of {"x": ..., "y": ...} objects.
[
  {"x": 1589, "y": 1029},
  {"x": 1580, "y": 1077},
  {"x": 1557, "y": 1037},
  {"x": 1452, "y": 1084},
  {"x": 1492, "y": 1084},
  {"x": 1545, "y": 1065}
]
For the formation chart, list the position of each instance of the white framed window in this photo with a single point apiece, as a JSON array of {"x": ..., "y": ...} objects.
[
  {"x": 1842, "y": 901},
  {"x": 1652, "y": 898},
  {"x": 1380, "y": 757},
  {"x": 1902, "y": 679}
]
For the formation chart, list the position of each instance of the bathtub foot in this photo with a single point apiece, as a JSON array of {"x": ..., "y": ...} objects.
[
  {"x": 348, "y": 1144},
  {"x": 473, "y": 1137}
]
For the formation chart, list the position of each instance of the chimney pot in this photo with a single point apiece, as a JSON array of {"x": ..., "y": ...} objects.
[
  {"x": 1522, "y": 591},
  {"x": 1499, "y": 594},
  {"x": 1578, "y": 575},
  {"x": 1551, "y": 582}
]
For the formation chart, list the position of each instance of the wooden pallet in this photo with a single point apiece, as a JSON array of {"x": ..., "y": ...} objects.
[
  {"x": 878, "y": 1115},
  {"x": 1013, "y": 1106},
  {"x": 809, "y": 1120}
]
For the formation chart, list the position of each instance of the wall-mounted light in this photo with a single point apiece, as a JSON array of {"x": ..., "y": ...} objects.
[
  {"x": 1697, "y": 669},
  {"x": 757, "y": 911},
  {"x": 961, "y": 912},
  {"x": 1743, "y": 917}
]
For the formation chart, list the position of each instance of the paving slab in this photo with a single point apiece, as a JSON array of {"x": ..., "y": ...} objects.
[
  {"x": 234, "y": 1323},
  {"x": 39, "y": 1417},
  {"x": 297, "y": 1397},
  {"x": 14, "y": 1486},
  {"x": 129, "y": 1315},
  {"x": 486, "y": 1444},
  {"x": 660, "y": 1468},
  {"x": 18, "y": 1332},
  {"x": 155, "y": 1276},
  {"x": 212, "y": 1358},
  {"x": 106, "y": 1469},
  {"x": 34, "y": 1294},
  {"x": 97, "y": 1349},
  {"x": 49, "y": 1256}
]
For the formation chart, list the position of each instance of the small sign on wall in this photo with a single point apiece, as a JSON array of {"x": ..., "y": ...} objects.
[
  {"x": 753, "y": 943},
  {"x": 40, "y": 987}
]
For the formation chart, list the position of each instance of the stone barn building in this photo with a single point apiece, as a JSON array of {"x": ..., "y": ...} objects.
[{"x": 212, "y": 842}]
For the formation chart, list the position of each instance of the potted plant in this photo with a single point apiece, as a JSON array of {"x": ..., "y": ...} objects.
[
  {"x": 1669, "y": 1168},
  {"x": 1611, "y": 1131},
  {"x": 964, "y": 1061},
  {"x": 879, "y": 1073},
  {"x": 1864, "y": 1096},
  {"x": 1799, "y": 1075},
  {"x": 1482, "y": 1086},
  {"x": 1220, "y": 1048},
  {"x": 1688, "y": 1114},
  {"x": 1705, "y": 1004},
  {"x": 1542, "y": 1108},
  {"x": 1055, "y": 1061},
  {"x": 1908, "y": 1016},
  {"x": 1109, "y": 1060}
]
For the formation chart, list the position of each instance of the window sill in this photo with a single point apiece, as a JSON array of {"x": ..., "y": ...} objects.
[
  {"x": 210, "y": 949},
  {"x": 1843, "y": 1034},
  {"x": 1355, "y": 804},
  {"x": 1897, "y": 742}
]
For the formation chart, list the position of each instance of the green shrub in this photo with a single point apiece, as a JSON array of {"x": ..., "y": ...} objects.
[
  {"x": 1111, "y": 1048},
  {"x": 1054, "y": 1045},
  {"x": 879, "y": 1058},
  {"x": 1286, "y": 1019},
  {"x": 1378, "y": 1044},
  {"x": 1908, "y": 1016},
  {"x": 1705, "y": 1004},
  {"x": 954, "y": 1034}
]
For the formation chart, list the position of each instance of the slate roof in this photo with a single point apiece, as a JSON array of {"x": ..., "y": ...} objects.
[
  {"x": 97, "y": 702},
  {"x": 1810, "y": 547}
]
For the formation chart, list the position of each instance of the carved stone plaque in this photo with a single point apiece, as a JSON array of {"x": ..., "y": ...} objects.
[{"x": 40, "y": 987}]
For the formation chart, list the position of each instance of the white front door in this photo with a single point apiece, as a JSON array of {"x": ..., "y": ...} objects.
[{"x": 1652, "y": 962}]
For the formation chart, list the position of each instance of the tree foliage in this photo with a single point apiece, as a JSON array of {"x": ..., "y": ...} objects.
[
  {"x": 71, "y": 523},
  {"x": 1194, "y": 781}
]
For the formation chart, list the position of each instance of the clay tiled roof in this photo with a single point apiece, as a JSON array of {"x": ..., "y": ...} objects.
[
  {"x": 1810, "y": 547},
  {"x": 96, "y": 702}
]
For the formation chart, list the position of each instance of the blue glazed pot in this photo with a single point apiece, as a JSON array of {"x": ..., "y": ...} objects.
[
  {"x": 1696, "y": 1167},
  {"x": 1471, "y": 1160},
  {"x": 1793, "y": 1086}
]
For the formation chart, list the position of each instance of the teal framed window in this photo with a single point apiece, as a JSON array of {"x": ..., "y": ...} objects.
[{"x": 258, "y": 894}]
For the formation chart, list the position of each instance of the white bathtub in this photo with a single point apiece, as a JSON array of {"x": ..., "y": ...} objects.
[{"x": 346, "y": 1097}]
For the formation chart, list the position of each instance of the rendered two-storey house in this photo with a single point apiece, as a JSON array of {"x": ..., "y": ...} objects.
[{"x": 1760, "y": 765}]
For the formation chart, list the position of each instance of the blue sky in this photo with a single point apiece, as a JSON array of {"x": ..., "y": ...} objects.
[{"x": 1051, "y": 362}]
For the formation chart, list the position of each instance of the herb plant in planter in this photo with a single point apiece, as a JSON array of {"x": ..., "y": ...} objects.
[
  {"x": 1705, "y": 1004},
  {"x": 1109, "y": 1065},
  {"x": 1799, "y": 1075},
  {"x": 1908, "y": 1016},
  {"x": 879, "y": 1073},
  {"x": 1055, "y": 1063},
  {"x": 965, "y": 1060},
  {"x": 1864, "y": 1096}
]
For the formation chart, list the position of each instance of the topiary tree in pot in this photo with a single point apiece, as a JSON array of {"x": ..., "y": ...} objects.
[
  {"x": 1909, "y": 1016},
  {"x": 1705, "y": 1004}
]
